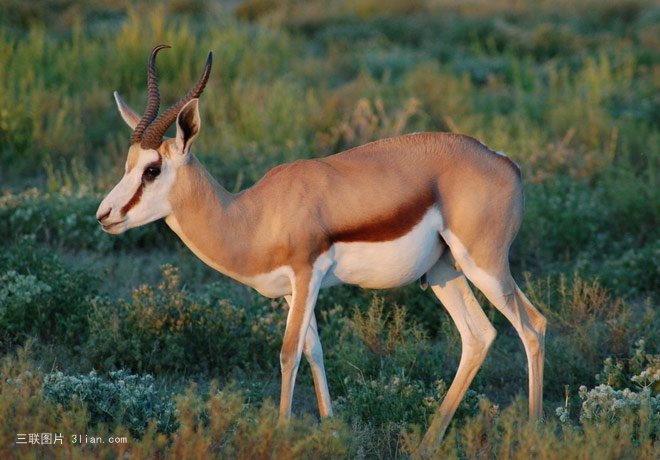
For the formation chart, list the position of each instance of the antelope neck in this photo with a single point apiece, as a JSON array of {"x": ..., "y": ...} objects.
[{"x": 200, "y": 218}]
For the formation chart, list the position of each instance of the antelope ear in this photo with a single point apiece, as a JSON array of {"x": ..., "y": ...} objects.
[
  {"x": 188, "y": 124},
  {"x": 129, "y": 115}
]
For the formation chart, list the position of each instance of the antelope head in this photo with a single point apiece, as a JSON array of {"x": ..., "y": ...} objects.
[{"x": 142, "y": 195}]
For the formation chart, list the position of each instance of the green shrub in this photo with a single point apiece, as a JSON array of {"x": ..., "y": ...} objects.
[
  {"x": 223, "y": 425},
  {"x": 217, "y": 424},
  {"x": 375, "y": 343},
  {"x": 509, "y": 434},
  {"x": 69, "y": 221},
  {"x": 640, "y": 370},
  {"x": 628, "y": 396},
  {"x": 41, "y": 297},
  {"x": 385, "y": 373},
  {"x": 120, "y": 399},
  {"x": 634, "y": 272},
  {"x": 163, "y": 328},
  {"x": 398, "y": 401},
  {"x": 603, "y": 404},
  {"x": 586, "y": 325},
  {"x": 601, "y": 230}
]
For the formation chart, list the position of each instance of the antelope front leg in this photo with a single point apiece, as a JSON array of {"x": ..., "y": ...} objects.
[
  {"x": 305, "y": 291},
  {"x": 314, "y": 353}
]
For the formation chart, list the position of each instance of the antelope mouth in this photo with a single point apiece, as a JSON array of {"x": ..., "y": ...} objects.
[{"x": 112, "y": 225}]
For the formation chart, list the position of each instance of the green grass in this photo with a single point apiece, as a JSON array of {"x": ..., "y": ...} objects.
[{"x": 567, "y": 89}]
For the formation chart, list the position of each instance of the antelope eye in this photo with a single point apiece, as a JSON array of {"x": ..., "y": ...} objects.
[{"x": 151, "y": 173}]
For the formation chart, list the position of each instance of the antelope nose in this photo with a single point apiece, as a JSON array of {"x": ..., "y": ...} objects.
[{"x": 100, "y": 215}]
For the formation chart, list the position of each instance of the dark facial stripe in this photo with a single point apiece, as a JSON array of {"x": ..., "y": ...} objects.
[
  {"x": 135, "y": 199},
  {"x": 388, "y": 227}
]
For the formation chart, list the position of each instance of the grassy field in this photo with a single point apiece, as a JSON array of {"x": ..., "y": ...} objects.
[{"x": 133, "y": 337}]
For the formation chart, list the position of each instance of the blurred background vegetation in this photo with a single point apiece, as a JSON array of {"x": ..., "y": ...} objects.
[{"x": 568, "y": 89}]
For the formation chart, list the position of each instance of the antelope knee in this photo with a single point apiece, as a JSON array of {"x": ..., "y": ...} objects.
[{"x": 288, "y": 361}]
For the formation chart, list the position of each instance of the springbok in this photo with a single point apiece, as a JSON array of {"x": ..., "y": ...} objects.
[{"x": 382, "y": 215}]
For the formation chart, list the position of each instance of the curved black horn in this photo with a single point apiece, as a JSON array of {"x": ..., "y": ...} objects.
[
  {"x": 153, "y": 97},
  {"x": 154, "y": 133}
]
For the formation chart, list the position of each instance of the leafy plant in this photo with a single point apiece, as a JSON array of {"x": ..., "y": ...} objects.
[
  {"x": 163, "y": 328},
  {"x": 41, "y": 297},
  {"x": 120, "y": 399},
  {"x": 629, "y": 395}
]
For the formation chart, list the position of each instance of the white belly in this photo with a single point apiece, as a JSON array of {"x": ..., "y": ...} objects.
[
  {"x": 389, "y": 263},
  {"x": 378, "y": 265}
]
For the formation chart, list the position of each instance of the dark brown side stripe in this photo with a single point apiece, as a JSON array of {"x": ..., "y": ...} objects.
[
  {"x": 389, "y": 227},
  {"x": 135, "y": 199}
]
